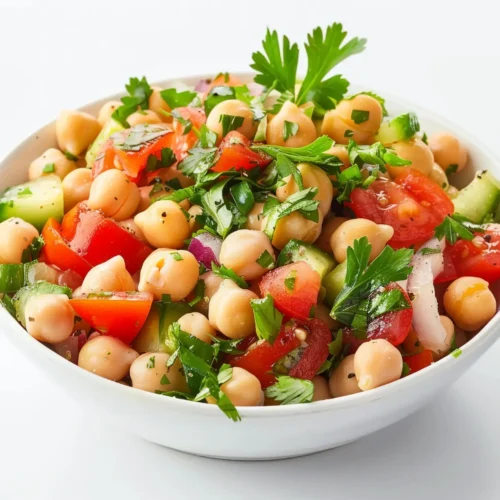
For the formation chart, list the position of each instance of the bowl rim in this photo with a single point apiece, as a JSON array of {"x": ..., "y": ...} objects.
[{"x": 486, "y": 335}]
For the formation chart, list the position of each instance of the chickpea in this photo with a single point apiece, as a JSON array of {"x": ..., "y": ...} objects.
[
  {"x": 147, "y": 199},
  {"x": 157, "y": 104},
  {"x": 448, "y": 151},
  {"x": 343, "y": 381},
  {"x": 330, "y": 225},
  {"x": 76, "y": 187},
  {"x": 344, "y": 236},
  {"x": 312, "y": 176},
  {"x": 449, "y": 328},
  {"x": 107, "y": 357},
  {"x": 164, "y": 224},
  {"x": 337, "y": 129},
  {"x": 143, "y": 117},
  {"x": 321, "y": 390},
  {"x": 255, "y": 218},
  {"x": 15, "y": 236},
  {"x": 470, "y": 303},
  {"x": 296, "y": 226},
  {"x": 110, "y": 276},
  {"x": 411, "y": 344},
  {"x": 52, "y": 162},
  {"x": 417, "y": 152},
  {"x": 376, "y": 363},
  {"x": 114, "y": 194},
  {"x": 212, "y": 284},
  {"x": 232, "y": 107},
  {"x": 150, "y": 368},
  {"x": 452, "y": 191},
  {"x": 197, "y": 325},
  {"x": 242, "y": 389},
  {"x": 194, "y": 225},
  {"x": 241, "y": 250},
  {"x": 76, "y": 131},
  {"x": 107, "y": 109},
  {"x": 170, "y": 173},
  {"x": 230, "y": 311},
  {"x": 340, "y": 152},
  {"x": 438, "y": 176},
  {"x": 347, "y": 108},
  {"x": 323, "y": 313},
  {"x": 49, "y": 317},
  {"x": 164, "y": 273},
  {"x": 289, "y": 112},
  {"x": 130, "y": 226}
]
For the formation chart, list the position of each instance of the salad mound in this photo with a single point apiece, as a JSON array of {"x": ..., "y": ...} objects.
[{"x": 246, "y": 243}]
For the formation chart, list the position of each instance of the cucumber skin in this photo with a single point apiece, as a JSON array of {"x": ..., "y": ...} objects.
[
  {"x": 334, "y": 282},
  {"x": 479, "y": 199},
  {"x": 110, "y": 128},
  {"x": 45, "y": 201},
  {"x": 401, "y": 128}
]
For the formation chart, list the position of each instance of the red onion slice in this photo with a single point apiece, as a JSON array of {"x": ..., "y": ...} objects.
[
  {"x": 202, "y": 86},
  {"x": 426, "y": 321},
  {"x": 70, "y": 348},
  {"x": 206, "y": 249}
]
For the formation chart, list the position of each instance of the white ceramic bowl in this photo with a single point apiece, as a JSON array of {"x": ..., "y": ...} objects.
[{"x": 265, "y": 432}]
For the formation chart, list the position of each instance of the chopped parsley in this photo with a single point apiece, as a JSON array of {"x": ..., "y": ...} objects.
[
  {"x": 290, "y": 280},
  {"x": 138, "y": 137},
  {"x": 151, "y": 362},
  {"x": 456, "y": 353},
  {"x": 176, "y": 256},
  {"x": 290, "y": 129},
  {"x": 290, "y": 390},
  {"x": 266, "y": 260},
  {"x": 452, "y": 168},
  {"x": 360, "y": 116},
  {"x": 457, "y": 226},
  {"x": 49, "y": 168},
  {"x": 164, "y": 380},
  {"x": 70, "y": 156},
  {"x": 228, "y": 274},
  {"x": 230, "y": 122},
  {"x": 267, "y": 318},
  {"x": 406, "y": 370},
  {"x": 176, "y": 99},
  {"x": 429, "y": 251}
]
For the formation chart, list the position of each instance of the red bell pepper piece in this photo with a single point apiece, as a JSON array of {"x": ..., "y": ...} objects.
[{"x": 417, "y": 362}]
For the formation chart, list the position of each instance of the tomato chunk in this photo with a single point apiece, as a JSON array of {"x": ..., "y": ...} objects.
[
  {"x": 261, "y": 356},
  {"x": 479, "y": 258},
  {"x": 393, "y": 326},
  {"x": 294, "y": 288},
  {"x": 417, "y": 362},
  {"x": 234, "y": 152},
  {"x": 98, "y": 239},
  {"x": 413, "y": 205},
  {"x": 117, "y": 314},
  {"x": 57, "y": 252}
]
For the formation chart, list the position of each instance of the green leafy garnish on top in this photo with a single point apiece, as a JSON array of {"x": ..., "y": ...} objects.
[
  {"x": 139, "y": 92},
  {"x": 289, "y": 390},
  {"x": 457, "y": 226}
]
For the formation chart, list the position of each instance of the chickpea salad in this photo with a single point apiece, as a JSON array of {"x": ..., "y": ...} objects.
[{"x": 251, "y": 243}]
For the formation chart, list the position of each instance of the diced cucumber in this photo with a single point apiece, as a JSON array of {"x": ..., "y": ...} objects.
[
  {"x": 334, "y": 282},
  {"x": 11, "y": 277},
  {"x": 401, "y": 128},
  {"x": 39, "y": 288},
  {"x": 260, "y": 134},
  {"x": 479, "y": 199},
  {"x": 153, "y": 334},
  {"x": 297, "y": 251},
  {"x": 34, "y": 201},
  {"x": 110, "y": 128}
]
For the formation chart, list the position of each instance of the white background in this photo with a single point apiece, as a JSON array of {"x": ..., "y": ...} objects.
[{"x": 54, "y": 55}]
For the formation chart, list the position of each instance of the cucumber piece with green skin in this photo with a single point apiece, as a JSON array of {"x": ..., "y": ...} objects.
[
  {"x": 334, "y": 282},
  {"x": 298, "y": 251},
  {"x": 11, "y": 277},
  {"x": 110, "y": 128},
  {"x": 479, "y": 198},
  {"x": 39, "y": 288},
  {"x": 401, "y": 128},
  {"x": 34, "y": 201},
  {"x": 154, "y": 333}
]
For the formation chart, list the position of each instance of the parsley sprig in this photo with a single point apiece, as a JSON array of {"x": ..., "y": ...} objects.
[
  {"x": 290, "y": 390},
  {"x": 139, "y": 92},
  {"x": 457, "y": 226}
]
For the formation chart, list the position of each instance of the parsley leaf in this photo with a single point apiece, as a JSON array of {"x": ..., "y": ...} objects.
[
  {"x": 303, "y": 201},
  {"x": 214, "y": 204},
  {"x": 226, "y": 346},
  {"x": 406, "y": 370},
  {"x": 290, "y": 280},
  {"x": 243, "y": 197},
  {"x": 290, "y": 390},
  {"x": 455, "y": 227},
  {"x": 49, "y": 168},
  {"x": 208, "y": 138},
  {"x": 230, "y": 122},
  {"x": 70, "y": 156},
  {"x": 376, "y": 154},
  {"x": 360, "y": 116},
  {"x": 199, "y": 293},
  {"x": 176, "y": 99},
  {"x": 138, "y": 137},
  {"x": 139, "y": 92},
  {"x": 286, "y": 167},
  {"x": 380, "y": 100},
  {"x": 324, "y": 52},
  {"x": 289, "y": 129},
  {"x": 429, "y": 251},
  {"x": 278, "y": 65},
  {"x": 266, "y": 260},
  {"x": 387, "y": 301},
  {"x": 151, "y": 362},
  {"x": 228, "y": 274},
  {"x": 363, "y": 278},
  {"x": 267, "y": 318},
  {"x": 32, "y": 251}
]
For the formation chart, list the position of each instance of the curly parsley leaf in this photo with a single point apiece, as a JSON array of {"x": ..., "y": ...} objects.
[
  {"x": 457, "y": 226},
  {"x": 324, "y": 52},
  {"x": 290, "y": 390},
  {"x": 363, "y": 278},
  {"x": 277, "y": 66},
  {"x": 267, "y": 318},
  {"x": 228, "y": 274}
]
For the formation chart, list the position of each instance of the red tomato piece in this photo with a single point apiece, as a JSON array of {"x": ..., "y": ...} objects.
[
  {"x": 56, "y": 251},
  {"x": 234, "y": 152},
  {"x": 117, "y": 314},
  {"x": 393, "y": 326},
  {"x": 105, "y": 160},
  {"x": 413, "y": 205},
  {"x": 261, "y": 356},
  {"x": 98, "y": 239},
  {"x": 479, "y": 257},
  {"x": 295, "y": 297},
  {"x": 316, "y": 352},
  {"x": 417, "y": 362},
  {"x": 184, "y": 142}
]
